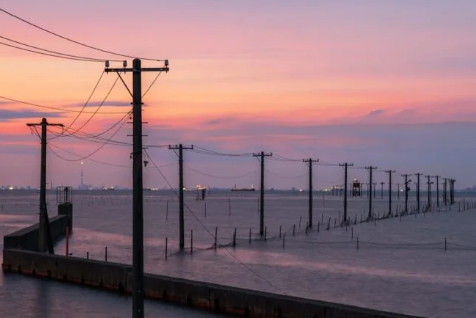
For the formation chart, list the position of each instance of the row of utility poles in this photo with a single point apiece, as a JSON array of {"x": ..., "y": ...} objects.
[{"x": 261, "y": 157}]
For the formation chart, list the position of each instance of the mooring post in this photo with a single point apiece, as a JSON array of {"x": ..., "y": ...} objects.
[
  {"x": 234, "y": 238},
  {"x": 67, "y": 242},
  {"x": 216, "y": 234}
]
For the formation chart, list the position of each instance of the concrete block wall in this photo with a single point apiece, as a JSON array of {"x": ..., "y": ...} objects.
[
  {"x": 27, "y": 238},
  {"x": 207, "y": 296}
]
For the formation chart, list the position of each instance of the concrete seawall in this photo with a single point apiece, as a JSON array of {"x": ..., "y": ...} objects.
[
  {"x": 27, "y": 238},
  {"x": 20, "y": 255},
  {"x": 207, "y": 296}
]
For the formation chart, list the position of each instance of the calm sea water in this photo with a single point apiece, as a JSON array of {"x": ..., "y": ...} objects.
[{"x": 400, "y": 264}]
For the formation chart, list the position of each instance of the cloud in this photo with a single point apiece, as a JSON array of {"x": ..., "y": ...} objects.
[
  {"x": 6, "y": 114},
  {"x": 375, "y": 113},
  {"x": 6, "y": 103},
  {"x": 218, "y": 121},
  {"x": 115, "y": 103}
]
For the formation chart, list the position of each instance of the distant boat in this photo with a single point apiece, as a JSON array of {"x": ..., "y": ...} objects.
[{"x": 243, "y": 189}]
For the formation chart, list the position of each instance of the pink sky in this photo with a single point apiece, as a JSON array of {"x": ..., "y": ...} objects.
[{"x": 387, "y": 84}]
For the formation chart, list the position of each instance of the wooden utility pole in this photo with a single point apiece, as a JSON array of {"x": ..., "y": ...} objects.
[
  {"x": 137, "y": 180},
  {"x": 429, "y": 191},
  {"x": 437, "y": 191},
  {"x": 310, "y": 161},
  {"x": 181, "y": 197},
  {"x": 261, "y": 155},
  {"x": 406, "y": 191},
  {"x": 390, "y": 190},
  {"x": 370, "y": 190},
  {"x": 418, "y": 191},
  {"x": 445, "y": 193},
  {"x": 44, "y": 227},
  {"x": 345, "y": 165}
]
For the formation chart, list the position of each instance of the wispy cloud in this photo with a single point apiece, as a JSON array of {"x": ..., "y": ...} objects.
[{"x": 6, "y": 114}]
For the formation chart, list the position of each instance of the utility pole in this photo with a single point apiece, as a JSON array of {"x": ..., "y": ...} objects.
[
  {"x": 418, "y": 191},
  {"x": 310, "y": 161},
  {"x": 452, "y": 191},
  {"x": 370, "y": 168},
  {"x": 445, "y": 196},
  {"x": 261, "y": 155},
  {"x": 437, "y": 191},
  {"x": 44, "y": 227},
  {"x": 181, "y": 205},
  {"x": 390, "y": 190},
  {"x": 429, "y": 192},
  {"x": 381, "y": 192},
  {"x": 137, "y": 180},
  {"x": 407, "y": 189},
  {"x": 345, "y": 165}
]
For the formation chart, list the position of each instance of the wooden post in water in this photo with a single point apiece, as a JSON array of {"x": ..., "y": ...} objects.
[
  {"x": 216, "y": 234},
  {"x": 294, "y": 229},
  {"x": 234, "y": 238},
  {"x": 280, "y": 231},
  {"x": 67, "y": 242},
  {"x": 166, "y": 247},
  {"x": 191, "y": 241},
  {"x": 87, "y": 255},
  {"x": 105, "y": 253}
]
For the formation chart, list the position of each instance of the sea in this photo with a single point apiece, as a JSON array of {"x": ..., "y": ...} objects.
[{"x": 421, "y": 264}]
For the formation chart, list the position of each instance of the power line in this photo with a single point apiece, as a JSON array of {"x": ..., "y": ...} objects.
[
  {"x": 61, "y": 109},
  {"x": 100, "y": 147},
  {"x": 48, "y": 54},
  {"x": 95, "y": 112},
  {"x": 221, "y": 177},
  {"x": 75, "y": 154},
  {"x": 52, "y": 53},
  {"x": 71, "y": 40},
  {"x": 210, "y": 233}
]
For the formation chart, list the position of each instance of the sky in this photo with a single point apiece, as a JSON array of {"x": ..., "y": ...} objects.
[{"x": 390, "y": 84}]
